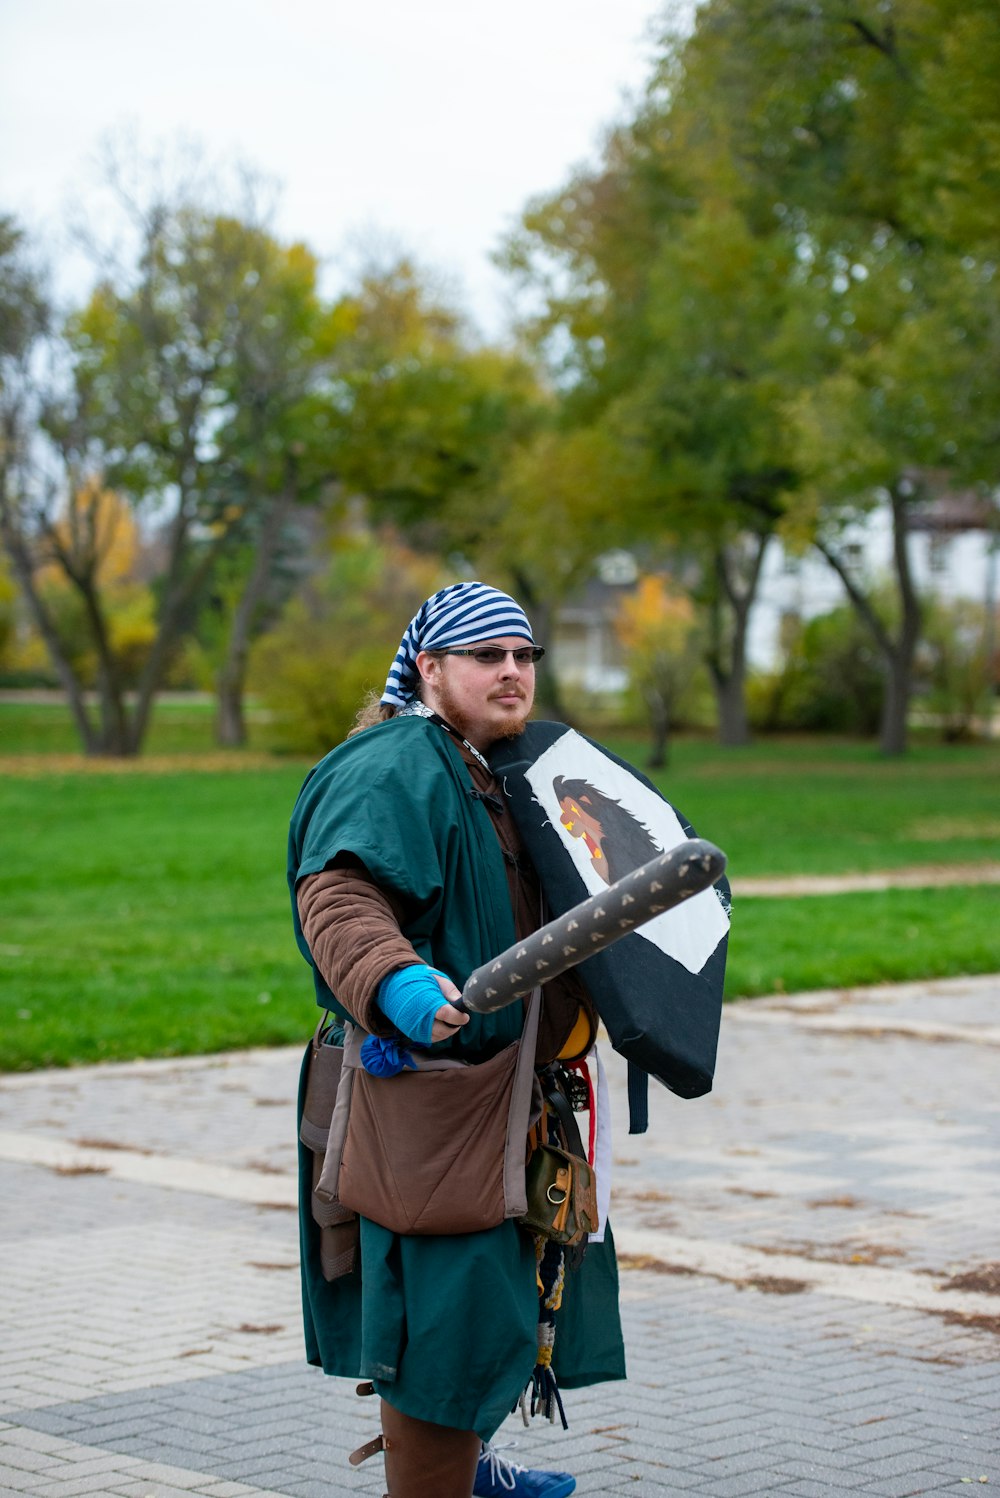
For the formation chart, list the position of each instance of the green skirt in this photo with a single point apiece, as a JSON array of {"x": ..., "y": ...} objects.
[{"x": 446, "y": 1327}]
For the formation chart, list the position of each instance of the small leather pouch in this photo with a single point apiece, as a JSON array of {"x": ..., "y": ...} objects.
[
  {"x": 561, "y": 1185},
  {"x": 338, "y": 1225},
  {"x": 562, "y": 1195}
]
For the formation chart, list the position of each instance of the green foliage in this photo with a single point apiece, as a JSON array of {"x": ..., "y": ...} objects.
[
  {"x": 8, "y": 616},
  {"x": 558, "y": 507},
  {"x": 954, "y": 668},
  {"x": 427, "y": 416},
  {"x": 659, "y": 632},
  {"x": 951, "y": 147},
  {"x": 24, "y": 305},
  {"x": 830, "y": 680},
  {"x": 780, "y": 288},
  {"x": 193, "y": 377},
  {"x": 335, "y": 642}
]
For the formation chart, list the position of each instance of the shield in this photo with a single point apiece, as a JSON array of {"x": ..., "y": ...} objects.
[{"x": 587, "y": 818}]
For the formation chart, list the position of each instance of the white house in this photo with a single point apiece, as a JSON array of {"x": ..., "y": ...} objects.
[
  {"x": 954, "y": 544},
  {"x": 954, "y": 547}
]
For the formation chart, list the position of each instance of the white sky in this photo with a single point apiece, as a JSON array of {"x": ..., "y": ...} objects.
[{"x": 431, "y": 122}]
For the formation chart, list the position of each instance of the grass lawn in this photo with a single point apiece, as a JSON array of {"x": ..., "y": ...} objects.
[
  {"x": 815, "y": 806},
  {"x": 843, "y": 941},
  {"x": 181, "y": 724},
  {"x": 147, "y": 914}
]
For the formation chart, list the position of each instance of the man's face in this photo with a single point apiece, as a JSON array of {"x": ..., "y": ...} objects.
[{"x": 484, "y": 703}]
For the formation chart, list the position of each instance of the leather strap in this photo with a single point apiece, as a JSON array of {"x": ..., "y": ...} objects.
[
  {"x": 370, "y": 1448},
  {"x": 557, "y": 1101}
]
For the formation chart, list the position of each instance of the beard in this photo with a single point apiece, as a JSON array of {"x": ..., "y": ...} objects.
[
  {"x": 506, "y": 727},
  {"x": 513, "y": 727}
]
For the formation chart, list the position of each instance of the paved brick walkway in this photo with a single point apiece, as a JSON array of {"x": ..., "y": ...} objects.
[{"x": 807, "y": 1292}]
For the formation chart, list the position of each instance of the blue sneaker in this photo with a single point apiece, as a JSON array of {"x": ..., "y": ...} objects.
[{"x": 496, "y": 1477}]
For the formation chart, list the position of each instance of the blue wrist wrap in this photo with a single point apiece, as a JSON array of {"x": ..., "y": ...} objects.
[{"x": 411, "y": 997}]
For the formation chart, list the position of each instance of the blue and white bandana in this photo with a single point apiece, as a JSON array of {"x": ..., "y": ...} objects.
[{"x": 462, "y": 614}]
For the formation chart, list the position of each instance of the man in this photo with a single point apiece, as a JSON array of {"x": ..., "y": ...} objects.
[{"x": 407, "y": 874}]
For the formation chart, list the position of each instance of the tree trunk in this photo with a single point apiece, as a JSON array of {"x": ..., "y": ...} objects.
[
  {"x": 727, "y": 648},
  {"x": 115, "y": 736},
  {"x": 116, "y": 731},
  {"x": 180, "y": 593},
  {"x": 659, "y": 724},
  {"x": 13, "y": 543},
  {"x": 892, "y": 738},
  {"x": 541, "y": 612},
  {"x": 730, "y": 699},
  {"x": 897, "y": 653},
  {"x": 899, "y": 676},
  {"x": 230, "y": 720}
]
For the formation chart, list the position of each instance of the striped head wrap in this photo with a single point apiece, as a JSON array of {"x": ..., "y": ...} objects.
[{"x": 462, "y": 614}]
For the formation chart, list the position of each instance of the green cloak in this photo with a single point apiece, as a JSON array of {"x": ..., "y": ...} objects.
[{"x": 444, "y": 1326}]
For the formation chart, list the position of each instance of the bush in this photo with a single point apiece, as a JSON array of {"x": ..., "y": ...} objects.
[
  {"x": 130, "y": 610},
  {"x": 659, "y": 631},
  {"x": 831, "y": 680},
  {"x": 335, "y": 643},
  {"x": 25, "y": 679},
  {"x": 8, "y": 616},
  {"x": 953, "y": 674}
]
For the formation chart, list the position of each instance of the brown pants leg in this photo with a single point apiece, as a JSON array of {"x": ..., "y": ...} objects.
[{"x": 427, "y": 1461}]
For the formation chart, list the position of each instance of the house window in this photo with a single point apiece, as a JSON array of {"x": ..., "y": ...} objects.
[
  {"x": 617, "y": 569},
  {"x": 938, "y": 548}
]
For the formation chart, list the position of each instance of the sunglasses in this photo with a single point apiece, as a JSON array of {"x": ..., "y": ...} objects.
[{"x": 493, "y": 655}]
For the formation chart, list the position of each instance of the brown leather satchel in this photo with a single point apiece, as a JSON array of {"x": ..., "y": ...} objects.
[{"x": 438, "y": 1150}]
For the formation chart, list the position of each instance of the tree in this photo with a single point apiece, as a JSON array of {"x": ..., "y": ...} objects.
[
  {"x": 671, "y": 309},
  {"x": 454, "y": 444},
  {"x": 880, "y": 131},
  {"x": 658, "y": 627},
  {"x": 707, "y": 407},
  {"x": 552, "y": 512},
  {"x": 194, "y": 385},
  {"x": 150, "y": 362},
  {"x": 191, "y": 386},
  {"x": 347, "y": 613},
  {"x": 950, "y": 147},
  {"x": 787, "y": 259},
  {"x": 8, "y": 620},
  {"x": 869, "y": 134},
  {"x": 277, "y": 444},
  {"x": 428, "y": 415},
  {"x": 33, "y": 506}
]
